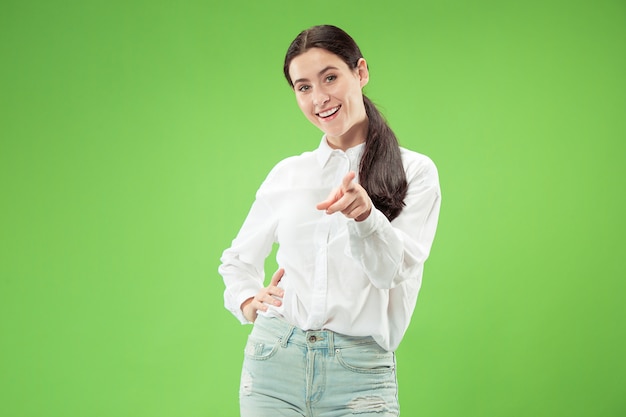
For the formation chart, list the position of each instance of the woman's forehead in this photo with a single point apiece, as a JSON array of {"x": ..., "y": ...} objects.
[{"x": 314, "y": 60}]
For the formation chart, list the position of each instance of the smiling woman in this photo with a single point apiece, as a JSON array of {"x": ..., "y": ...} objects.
[
  {"x": 331, "y": 97},
  {"x": 354, "y": 220}
]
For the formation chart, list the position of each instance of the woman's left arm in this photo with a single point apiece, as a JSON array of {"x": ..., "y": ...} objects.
[{"x": 392, "y": 252}]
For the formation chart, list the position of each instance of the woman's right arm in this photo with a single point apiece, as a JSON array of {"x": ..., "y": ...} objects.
[{"x": 243, "y": 262}]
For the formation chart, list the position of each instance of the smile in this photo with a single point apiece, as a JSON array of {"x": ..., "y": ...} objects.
[{"x": 329, "y": 112}]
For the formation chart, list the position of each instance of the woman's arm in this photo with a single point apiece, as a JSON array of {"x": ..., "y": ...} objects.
[
  {"x": 392, "y": 252},
  {"x": 243, "y": 263}
]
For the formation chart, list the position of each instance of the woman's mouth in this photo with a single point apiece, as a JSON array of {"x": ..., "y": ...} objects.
[{"x": 329, "y": 114}]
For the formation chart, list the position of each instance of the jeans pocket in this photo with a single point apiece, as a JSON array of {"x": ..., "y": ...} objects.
[
  {"x": 259, "y": 350},
  {"x": 367, "y": 359}
]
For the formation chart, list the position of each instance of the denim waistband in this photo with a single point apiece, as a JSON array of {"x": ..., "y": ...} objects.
[{"x": 312, "y": 339}]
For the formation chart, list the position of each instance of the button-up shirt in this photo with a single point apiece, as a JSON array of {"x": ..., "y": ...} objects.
[{"x": 354, "y": 278}]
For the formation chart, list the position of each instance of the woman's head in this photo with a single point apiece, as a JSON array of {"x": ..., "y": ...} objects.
[{"x": 325, "y": 68}]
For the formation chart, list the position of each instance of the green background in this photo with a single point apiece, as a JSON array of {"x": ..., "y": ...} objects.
[{"x": 133, "y": 138}]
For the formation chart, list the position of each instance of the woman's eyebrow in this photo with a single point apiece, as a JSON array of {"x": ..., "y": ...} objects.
[{"x": 319, "y": 74}]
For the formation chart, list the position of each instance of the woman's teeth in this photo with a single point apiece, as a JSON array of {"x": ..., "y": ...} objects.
[{"x": 329, "y": 112}]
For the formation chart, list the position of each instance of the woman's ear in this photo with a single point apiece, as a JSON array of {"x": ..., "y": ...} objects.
[{"x": 362, "y": 72}]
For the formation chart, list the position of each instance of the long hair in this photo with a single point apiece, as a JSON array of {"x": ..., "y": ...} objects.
[{"x": 381, "y": 173}]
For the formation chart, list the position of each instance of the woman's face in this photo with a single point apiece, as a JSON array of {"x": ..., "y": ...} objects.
[{"x": 329, "y": 94}]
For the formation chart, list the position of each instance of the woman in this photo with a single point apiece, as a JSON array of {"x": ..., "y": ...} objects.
[{"x": 354, "y": 220}]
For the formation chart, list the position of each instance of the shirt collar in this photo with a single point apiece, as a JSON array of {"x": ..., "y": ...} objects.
[{"x": 324, "y": 152}]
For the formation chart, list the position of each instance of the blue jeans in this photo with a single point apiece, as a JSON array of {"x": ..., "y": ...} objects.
[{"x": 291, "y": 372}]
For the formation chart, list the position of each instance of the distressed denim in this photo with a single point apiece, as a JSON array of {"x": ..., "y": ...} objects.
[{"x": 290, "y": 372}]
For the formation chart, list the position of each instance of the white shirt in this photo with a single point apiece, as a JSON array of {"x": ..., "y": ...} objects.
[{"x": 354, "y": 278}]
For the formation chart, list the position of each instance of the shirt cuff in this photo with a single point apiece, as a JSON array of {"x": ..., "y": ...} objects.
[
  {"x": 235, "y": 308},
  {"x": 369, "y": 225}
]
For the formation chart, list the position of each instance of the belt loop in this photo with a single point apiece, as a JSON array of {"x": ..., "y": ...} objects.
[
  {"x": 287, "y": 336},
  {"x": 331, "y": 343}
]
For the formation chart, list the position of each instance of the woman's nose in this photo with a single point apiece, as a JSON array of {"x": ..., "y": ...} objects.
[{"x": 320, "y": 98}]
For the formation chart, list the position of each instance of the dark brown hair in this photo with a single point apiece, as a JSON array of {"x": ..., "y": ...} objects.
[{"x": 381, "y": 172}]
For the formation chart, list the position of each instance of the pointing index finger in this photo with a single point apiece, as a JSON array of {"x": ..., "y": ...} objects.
[{"x": 347, "y": 180}]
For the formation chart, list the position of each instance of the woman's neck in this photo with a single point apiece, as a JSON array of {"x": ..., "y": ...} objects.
[{"x": 355, "y": 136}]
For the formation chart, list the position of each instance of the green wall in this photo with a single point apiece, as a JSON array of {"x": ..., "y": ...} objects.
[{"x": 134, "y": 135}]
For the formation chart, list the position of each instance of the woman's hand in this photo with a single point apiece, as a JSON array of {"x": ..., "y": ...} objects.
[
  {"x": 349, "y": 198},
  {"x": 268, "y": 295}
]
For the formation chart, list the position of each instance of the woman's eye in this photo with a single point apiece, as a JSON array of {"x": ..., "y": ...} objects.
[
  {"x": 304, "y": 88},
  {"x": 331, "y": 78}
]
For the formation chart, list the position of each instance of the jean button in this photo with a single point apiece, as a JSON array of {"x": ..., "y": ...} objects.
[{"x": 312, "y": 339}]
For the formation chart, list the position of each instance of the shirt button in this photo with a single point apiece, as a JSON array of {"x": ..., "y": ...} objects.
[{"x": 312, "y": 339}]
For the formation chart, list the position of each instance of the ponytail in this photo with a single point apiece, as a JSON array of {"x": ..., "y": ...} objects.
[{"x": 381, "y": 172}]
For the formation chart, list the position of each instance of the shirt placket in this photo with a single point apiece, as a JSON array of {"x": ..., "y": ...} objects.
[{"x": 326, "y": 226}]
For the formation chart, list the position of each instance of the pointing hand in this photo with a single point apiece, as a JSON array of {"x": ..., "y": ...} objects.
[{"x": 349, "y": 198}]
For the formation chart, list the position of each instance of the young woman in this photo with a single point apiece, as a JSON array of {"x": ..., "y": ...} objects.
[{"x": 354, "y": 220}]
